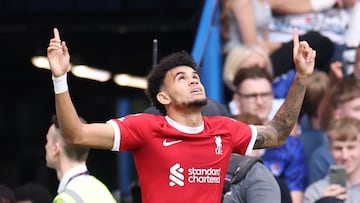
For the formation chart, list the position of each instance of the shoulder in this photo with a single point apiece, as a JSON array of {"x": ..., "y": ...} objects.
[
  {"x": 139, "y": 117},
  {"x": 64, "y": 197},
  {"x": 314, "y": 191},
  {"x": 240, "y": 165}
]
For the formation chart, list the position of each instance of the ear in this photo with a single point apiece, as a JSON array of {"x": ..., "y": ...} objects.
[
  {"x": 236, "y": 100},
  {"x": 163, "y": 98},
  {"x": 57, "y": 148}
]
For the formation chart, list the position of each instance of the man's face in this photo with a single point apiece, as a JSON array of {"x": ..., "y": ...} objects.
[
  {"x": 349, "y": 109},
  {"x": 183, "y": 88},
  {"x": 346, "y": 153},
  {"x": 255, "y": 96},
  {"x": 50, "y": 146}
]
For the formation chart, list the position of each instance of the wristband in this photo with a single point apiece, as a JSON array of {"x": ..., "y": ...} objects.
[
  {"x": 319, "y": 5},
  {"x": 60, "y": 83}
]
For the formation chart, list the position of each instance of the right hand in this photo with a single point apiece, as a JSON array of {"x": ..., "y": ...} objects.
[
  {"x": 335, "y": 190},
  {"x": 58, "y": 55}
]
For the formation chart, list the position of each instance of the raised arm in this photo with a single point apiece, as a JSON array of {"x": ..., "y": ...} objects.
[
  {"x": 275, "y": 133},
  {"x": 74, "y": 131}
]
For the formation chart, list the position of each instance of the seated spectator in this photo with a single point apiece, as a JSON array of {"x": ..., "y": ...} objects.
[
  {"x": 344, "y": 145},
  {"x": 336, "y": 20},
  {"x": 234, "y": 62},
  {"x": 246, "y": 22},
  {"x": 254, "y": 95},
  {"x": 343, "y": 101}
]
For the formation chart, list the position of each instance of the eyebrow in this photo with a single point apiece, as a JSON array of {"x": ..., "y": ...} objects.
[
  {"x": 179, "y": 73},
  {"x": 183, "y": 72}
]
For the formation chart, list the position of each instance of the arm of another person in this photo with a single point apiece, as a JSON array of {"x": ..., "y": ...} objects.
[
  {"x": 244, "y": 13},
  {"x": 299, "y": 7},
  {"x": 276, "y": 132},
  {"x": 74, "y": 131}
]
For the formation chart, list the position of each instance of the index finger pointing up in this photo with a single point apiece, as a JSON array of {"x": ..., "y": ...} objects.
[
  {"x": 295, "y": 41},
  {"x": 296, "y": 37},
  {"x": 56, "y": 34}
]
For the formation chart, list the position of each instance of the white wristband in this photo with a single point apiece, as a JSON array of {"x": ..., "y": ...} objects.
[
  {"x": 319, "y": 5},
  {"x": 60, "y": 83}
]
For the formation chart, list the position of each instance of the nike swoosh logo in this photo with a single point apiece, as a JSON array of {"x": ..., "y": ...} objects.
[{"x": 167, "y": 143}]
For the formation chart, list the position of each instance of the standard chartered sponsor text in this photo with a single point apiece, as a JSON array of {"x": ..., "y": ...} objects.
[{"x": 201, "y": 175}]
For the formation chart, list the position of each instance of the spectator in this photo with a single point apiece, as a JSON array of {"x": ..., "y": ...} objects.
[
  {"x": 344, "y": 101},
  {"x": 336, "y": 20},
  {"x": 250, "y": 181},
  {"x": 249, "y": 56},
  {"x": 32, "y": 193},
  {"x": 244, "y": 18},
  {"x": 287, "y": 162},
  {"x": 344, "y": 145}
]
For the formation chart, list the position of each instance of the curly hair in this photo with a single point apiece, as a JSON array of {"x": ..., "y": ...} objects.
[{"x": 157, "y": 75}]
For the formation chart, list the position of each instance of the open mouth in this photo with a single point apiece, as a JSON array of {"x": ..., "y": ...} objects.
[{"x": 196, "y": 91}]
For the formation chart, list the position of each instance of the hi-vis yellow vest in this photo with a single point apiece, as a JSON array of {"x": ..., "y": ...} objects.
[{"x": 85, "y": 189}]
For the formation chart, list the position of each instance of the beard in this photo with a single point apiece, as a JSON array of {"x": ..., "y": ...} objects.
[{"x": 198, "y": 103}]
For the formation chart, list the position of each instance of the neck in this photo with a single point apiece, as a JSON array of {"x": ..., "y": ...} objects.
[
  {"x": 191, "y": 117},
  {"x": 66, "y": 165}
]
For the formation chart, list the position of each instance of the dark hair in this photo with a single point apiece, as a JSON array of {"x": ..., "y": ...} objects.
[
  {"x": 251, "y": 73},
  {"x": 155, "y": 79},
  {"x": 6, "y": 194},
  {"x": 75, "y": 152},
  {"x": 35, "y": 192}
]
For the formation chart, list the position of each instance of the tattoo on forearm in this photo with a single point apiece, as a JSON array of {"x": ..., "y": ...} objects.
[
  {"x": 276, "y": 132},
  {"x": 264, "y": 137}
]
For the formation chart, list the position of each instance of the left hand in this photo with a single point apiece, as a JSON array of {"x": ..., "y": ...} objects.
[
  {"x": 58, "y": 55},
  {"x": 303, "y": 55}
]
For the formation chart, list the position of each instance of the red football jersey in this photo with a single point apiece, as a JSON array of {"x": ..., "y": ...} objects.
[{"x": 176, "y": 163}]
